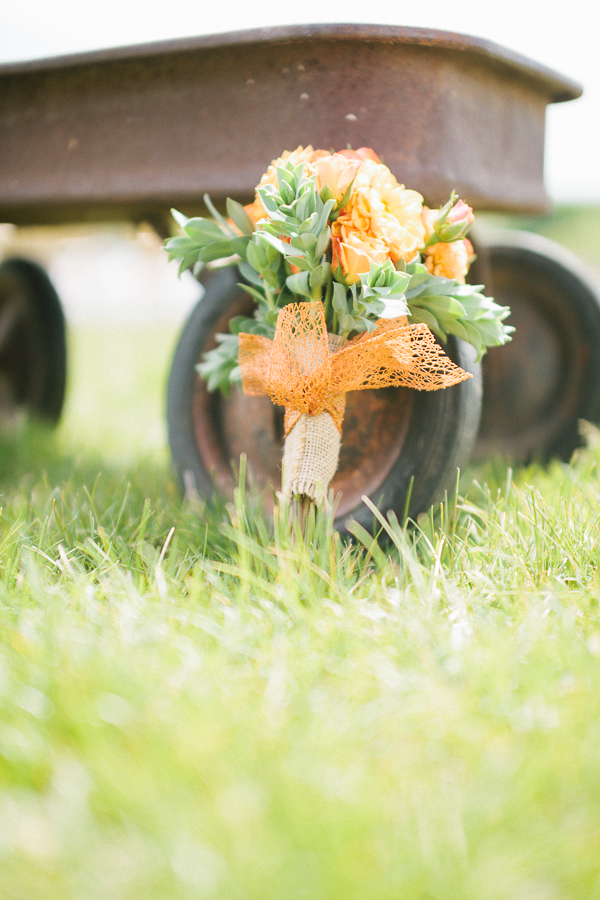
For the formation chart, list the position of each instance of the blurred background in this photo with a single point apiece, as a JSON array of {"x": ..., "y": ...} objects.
[{"x": 124, "y": 303}]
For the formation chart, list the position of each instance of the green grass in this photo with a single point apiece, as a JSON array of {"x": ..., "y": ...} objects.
[{"x": 190, "y": 707}]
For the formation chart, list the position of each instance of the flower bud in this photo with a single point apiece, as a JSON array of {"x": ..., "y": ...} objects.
[{"x": 454, "y": 225}]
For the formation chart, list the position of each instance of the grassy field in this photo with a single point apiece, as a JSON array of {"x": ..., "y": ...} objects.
[
  {"x": 192, "y": 708},
  {"x": 575, "y": 227}
]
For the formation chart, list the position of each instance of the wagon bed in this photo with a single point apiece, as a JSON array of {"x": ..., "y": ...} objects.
[{"x": 126, "y": 133}]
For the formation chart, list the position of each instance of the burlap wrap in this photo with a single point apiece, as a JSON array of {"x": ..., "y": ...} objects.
[
  {"x": 312, "y": 449},
  {"x": 310, "y": 457},
  {"x": 303, "y": 370}
]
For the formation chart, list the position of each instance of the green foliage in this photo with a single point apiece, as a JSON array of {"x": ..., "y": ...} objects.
[
  {"x": 191, "y": 706},
  {"x": 448, "y": 307},
  {"x": 205, "y": 241},
  {"x": 387, "y": 286},
  {"x": 380, "y": 293},
  {"x": 446, "y": 231},
  {"x": 220, "y": 366}
]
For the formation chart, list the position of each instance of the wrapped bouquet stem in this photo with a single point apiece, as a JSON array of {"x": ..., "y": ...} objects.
[
  {"x": 353, "y": 278},
  {"x": 310, "y": 455},
  {"x": 310, "y": 372},
  {"x": 311, "y": 451}
]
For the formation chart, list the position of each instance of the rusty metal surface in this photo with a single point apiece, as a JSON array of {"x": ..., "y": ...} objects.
[
  {"x": 535, "y": 386},
  {"x": 128, "y": 133},
  {"x": 530, "y": 392}
]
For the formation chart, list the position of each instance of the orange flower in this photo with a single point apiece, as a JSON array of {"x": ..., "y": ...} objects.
[
  {"x": 383, "y": 209},
  {"x": 305, "y": 155},
  {"x": 256, "y": 210},
  {"x": 462, "y": 213},
  {"x": 454, "y": 227},
  {"x": 362, "y": 153},
  {"x": 355, "y": 252},
  {"x": 429, "y": 217},
  {"x": 470, "y": 251},
  {"x": 337, "y": 173},
  {"x": 381, "y": 215},
  {"x": 449, "y": 260}
]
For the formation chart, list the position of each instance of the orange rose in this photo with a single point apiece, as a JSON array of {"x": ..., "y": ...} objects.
[
  {"x": 449, "y": 260},
  {"x": 453, "y": 227},
  {"x": 337, "y": 173},
  {"x": 355, "y": 252},
  {"x": 256, "y": 211},
  {"x": 471, "y": 253},
  {"x": 429, "y": 217},
  {"x": 362, "y": 153}
]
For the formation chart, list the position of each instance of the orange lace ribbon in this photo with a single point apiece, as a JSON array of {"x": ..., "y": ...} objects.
[{"x": 297, "y": 370}]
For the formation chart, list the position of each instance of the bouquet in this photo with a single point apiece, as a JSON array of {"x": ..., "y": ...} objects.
[{"x": 353, "y": 277}]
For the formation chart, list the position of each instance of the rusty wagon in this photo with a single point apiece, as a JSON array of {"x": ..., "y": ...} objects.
[{"x": 128, "y": 133}]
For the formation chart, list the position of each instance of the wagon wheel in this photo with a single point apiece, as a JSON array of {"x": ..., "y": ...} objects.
[
  {"x": 538, "y": 387},
  {"x": 32, "y": 343},
  {"x": 390, "y": 435}
]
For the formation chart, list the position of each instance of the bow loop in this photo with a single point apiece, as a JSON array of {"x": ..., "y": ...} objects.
[{"x": 298, "y": 371}]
